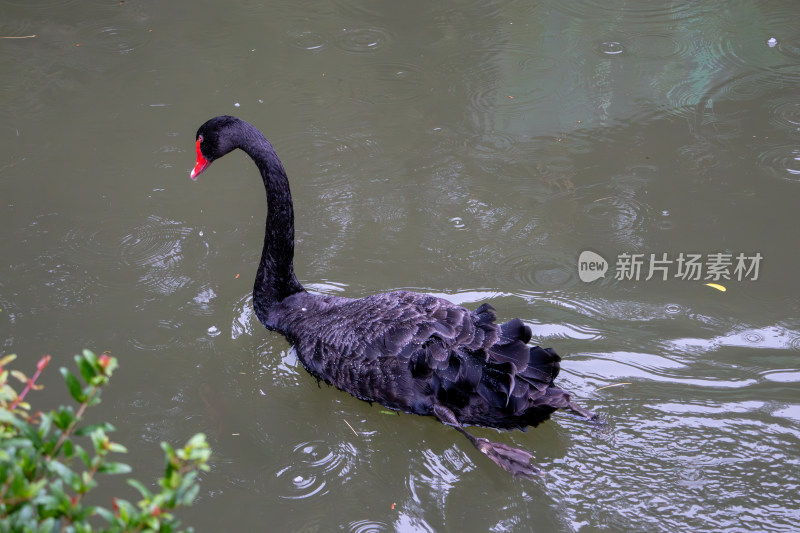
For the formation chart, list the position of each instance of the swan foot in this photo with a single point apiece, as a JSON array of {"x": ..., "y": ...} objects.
[
  {"x": 577, "y": 409},
  {"x": 513, "y": 460}
]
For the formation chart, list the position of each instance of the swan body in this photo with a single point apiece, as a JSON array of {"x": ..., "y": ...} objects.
[{"x": 408, "y": 351}]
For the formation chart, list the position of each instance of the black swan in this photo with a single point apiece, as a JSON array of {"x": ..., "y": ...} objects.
[{"x": 408, "y": 351}]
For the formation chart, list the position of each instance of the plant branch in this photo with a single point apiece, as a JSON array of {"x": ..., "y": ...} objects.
[
  {"x": 69, "y": 429},
  {"x": 43, "y": 362}
]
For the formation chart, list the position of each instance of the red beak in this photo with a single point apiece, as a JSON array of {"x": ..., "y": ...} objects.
[{"x": 201, "y": 164}]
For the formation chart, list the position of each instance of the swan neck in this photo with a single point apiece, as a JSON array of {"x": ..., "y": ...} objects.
[{"x": 275, "y": 279}]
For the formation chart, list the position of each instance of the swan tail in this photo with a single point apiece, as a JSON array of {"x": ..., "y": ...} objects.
[{"x": 519, "y": 379}]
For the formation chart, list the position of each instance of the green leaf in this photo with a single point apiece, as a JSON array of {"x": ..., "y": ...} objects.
[
  {"x": 45, "y": 423},
  {"x": 87, "y": 370},
  {"x": 90, "y": 357},
  {"x": 73, "y": 385},
  {"x": 64, "y": 472},
  {"x": 47, "y": 525},
  {"x": 20, "y": 376},
  {"x": 17, "y": 443},
  {"x": 198, "y": 440},
  {"x": 107, "y": 515},
  {"x": 189, "y": 495},
  {"x": 117, "y": 447},
  {"x": 67, "y": 448},
  {"x": 125, "y": 510},
  {"x": 99, "y": 439},
  {"x": 84, "y": 455},
  {"x": 63, "y": 417},
  {"x": 168, "y": 449},
  {"x": 7, "y": 417},
  {"x": 89, "y": 428},
  {"x": 87, "y": 483},
  {"x": 114, "y": 468},
  {"x": 146, "y": 494},
  {"x": 96, "y": 398}
]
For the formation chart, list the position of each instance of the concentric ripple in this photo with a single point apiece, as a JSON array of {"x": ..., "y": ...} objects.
[
  {"x": 499, "y": 86},
  {"x": 751, "y": 85},
  {"x": 611, "y": 48},
  {"x": 618, "y": 217},
  {"x": 367, "y": 526},
  {"x": 534, "y": 271},
  {"x": 165, "y": 336},
  {"x": 315, "y": 465},
  {"x": 153, "y": 242},
  {"x": 782, "y": 161},
  {"x": 308, "y": 40},
  {"x": 363, "y": 40},
  {"x": 117, "y": 39},
  {"x": 642, "y": 11},
  {"x": 785, "y": 113},
  {"x": 658, "y": 46},
  {"x": 157, "y": 247}
]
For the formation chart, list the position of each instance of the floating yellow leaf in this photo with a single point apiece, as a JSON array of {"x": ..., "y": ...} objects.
[{"x": 717, "y": 286}]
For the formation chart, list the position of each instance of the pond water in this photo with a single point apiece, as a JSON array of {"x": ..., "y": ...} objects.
[{"x": 471, "y": 150}]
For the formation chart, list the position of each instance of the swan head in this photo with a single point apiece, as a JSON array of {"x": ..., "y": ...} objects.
[{"x": 215, "y": 138}]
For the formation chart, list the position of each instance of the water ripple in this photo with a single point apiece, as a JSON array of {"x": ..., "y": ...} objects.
[
  {"x": 620, "y": 218},
  {"x": 750, "y": 85},
  {"x": 315, "y": 465},
  {"x": 15, "y": 29},
  {"x": 745, "y": 469},
  {"x": 361, "y": 40},
  {"x": 43, "y": 4},
  {"x": 382, "y": 83},
  {"x": 308, "y": 40},
  {"x": 785, "y": 113},
  {"x": 367, "y": 526},
  {"x": 789, "y": 48},
  {"x": 349, "y": 10},
  {"x": 498, "y": 85},
  {"x": 534, "y": 271},
  {"x": 611, "y": 48},
  {"x": 119, "y": 39},
  {"x": 164, "y": 337},
  {"x": 782, "y": 161},
  {"x": 335, "y": 158},
  {"x": 243, "y": 316},
  {"x": 658, "y": 46},
  {"x": 642, "y": 11},
  {"x": 157, "y": 246}
]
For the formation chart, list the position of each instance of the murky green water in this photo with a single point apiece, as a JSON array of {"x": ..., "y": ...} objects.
[{"x": 472, "y": 150}]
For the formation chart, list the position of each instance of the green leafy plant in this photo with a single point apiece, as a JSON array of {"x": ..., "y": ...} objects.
[{"x": 50, "y": 461}]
